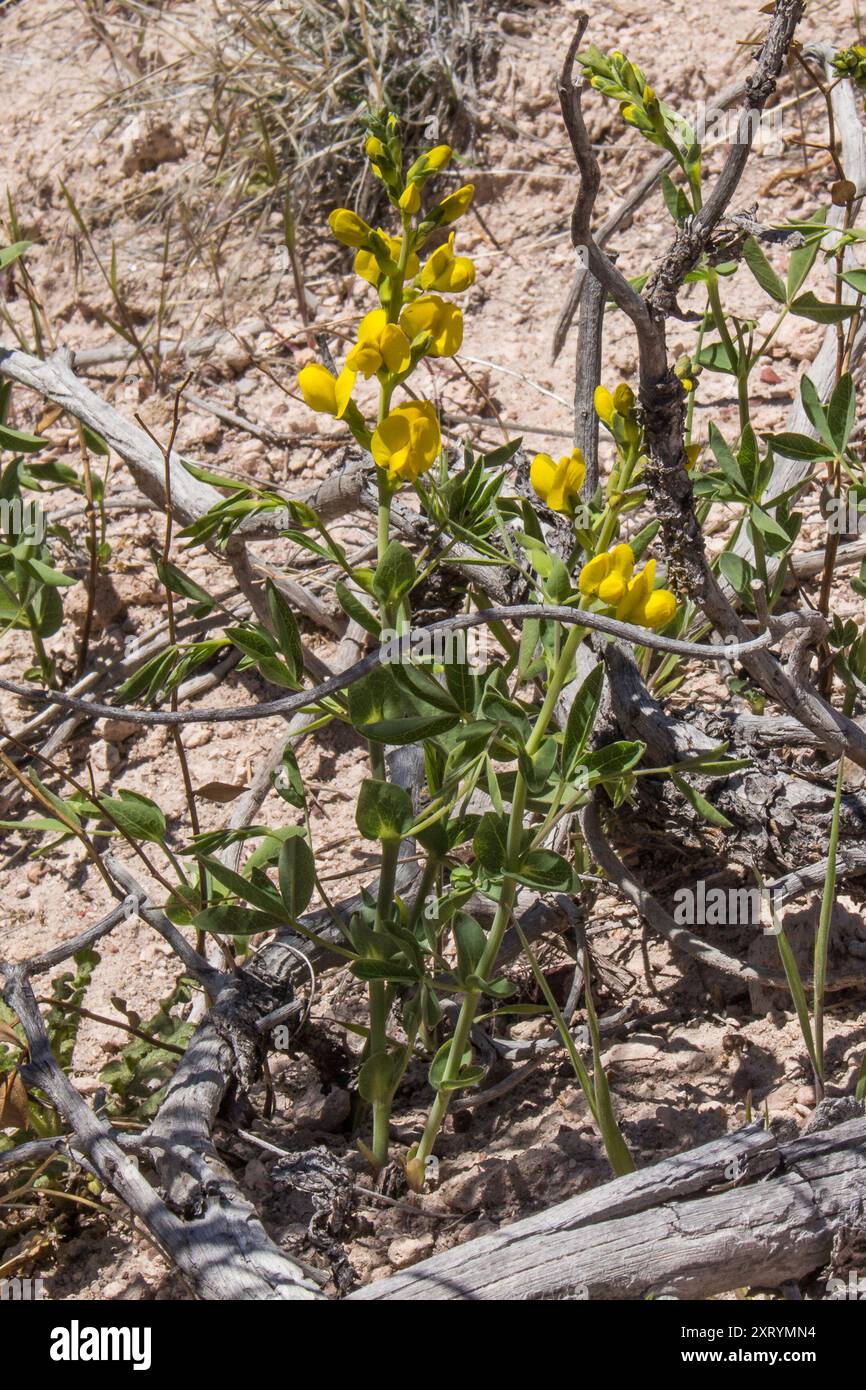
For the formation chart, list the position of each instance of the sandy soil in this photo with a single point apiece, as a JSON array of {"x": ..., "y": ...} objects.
[{"x": 678, "y": 1079}]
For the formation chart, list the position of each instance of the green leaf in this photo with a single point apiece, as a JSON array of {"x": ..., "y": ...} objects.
[
  {"x": 841, "y": 411},
  {"x": 297, "y": 871},
  {"x": 491, "y": 842},
  {"x": 261, "y": 898},
  {"x": 856, "y": 279},
  {"x": 581, "y": 718},
  {"x": 716, "y": 358},
  {"x": 767, "y": 525},
  {"x": 395, "y": 574},
  {"x": 379, "y": 1075},
  {"x": 233, "y": 920},
  {"x": 288, "y": 782},
  {"x": 19, "y": 442},
  {"x": 738, "y": 572},
  {"x": 180, "y": 583},
  {"x": 801, "y": 262},
  {"x": 286, "y": 631},
  {"x": 807, "y": 306},
  {"x": 356, "y": 610},
  {"x": 411, "y": 728},
  {"x": 797, "y": 446},
  {"x": 700, "y": 803},
  {"x": 544, "y": 869},
  {"x": 470, "y": 940},
  {"x": 467, "y": 1075},
  {"x": 140, "y": 817},
  {"x": 763, "y": 272},
  {"x": 614, "y": 760},
  {"x": 55, "y": 578},
  {"x": 95, "y": 443},
  {"x": 384, "y": 811},
  {"x": 8, "y": 254}
]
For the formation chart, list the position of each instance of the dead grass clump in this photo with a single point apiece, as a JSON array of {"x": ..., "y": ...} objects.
[{"x": 275, "y": 89}]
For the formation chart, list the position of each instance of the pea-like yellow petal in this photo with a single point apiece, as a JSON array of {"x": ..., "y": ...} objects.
[
  {"x": 395, "y": 348},
  {"x": 611, "y": 589},
  {"x": 318, "y": 388},
  {"x": 593, "y": 573},
  {"x": 622, "y": 559},
  {"x": 603, "y": 402},
  {"x": 343, "y": 388},
  {"x": 407, "y": 442},
  {"x": 659, "y": 609},
  {"x": 542, "y": 474}
]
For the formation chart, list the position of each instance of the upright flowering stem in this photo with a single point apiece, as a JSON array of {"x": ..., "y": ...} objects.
[
  {"x": 378, "y": 994},
  {"x": 505, "y": 905}
]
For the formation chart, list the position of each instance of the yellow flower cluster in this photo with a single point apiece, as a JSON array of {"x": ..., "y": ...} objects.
[
  {"x": 407, "y": 442},
  {"x": 558, "y": 484},
  {"x": 633, "y": 598},
  {"x": 618, "y": 411},
  {"x": 413, "y": 321}
]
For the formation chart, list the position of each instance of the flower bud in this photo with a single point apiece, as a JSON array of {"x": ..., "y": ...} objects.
[
  {"x": 456, "y": 204},
  {"x": 348, "y": 227},
  {"x": 604, "y": 405},
  {"x": 410, "y": 198}
]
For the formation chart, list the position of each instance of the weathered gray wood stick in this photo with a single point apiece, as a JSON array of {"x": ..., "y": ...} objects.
[{"x": 739, "y": 1212}]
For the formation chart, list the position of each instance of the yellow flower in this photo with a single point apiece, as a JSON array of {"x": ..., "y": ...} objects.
[
  {"x": 380, "y": 344},
  {"x": 367, "y": 266},
  {"x": 558, "y": 484},
  {"x": 436, "y": 316},
  {"x": 604, "y": 406},
  {"x": 324, "y": 392},
  {"x": 375, "y": 149},
  {"x": 445, "y": 271},
  {"x": 410, "y": 198},
  {"x": 623, "y": 399},
  {"x": 438, "y": 157},
  {"x": 659, "y": 608},
  {"x": 457, "y": 203},
  {"x": 348, "y": 227},
  {"x": 633, "y": 597},
  {"x": 430, "y": 162},
  {"x": 616, "y": 565},
  {"x": 407, "y": 442}
]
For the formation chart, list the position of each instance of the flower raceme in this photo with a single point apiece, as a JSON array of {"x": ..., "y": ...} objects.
[
  {"x": 324, "y": 392},
  {"x": 558, "y": 484},
  {"x": 437, "y": 318},
  {"x": 380, "y": 344},
  {"x": 610, "y": 578},
  {"x": 407, "y": 442}
]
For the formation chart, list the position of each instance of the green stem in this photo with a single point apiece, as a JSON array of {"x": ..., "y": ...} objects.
[
  {"x": 380, "y": 1001},
  {"x": 822, "y": 939},
  {"x": 721, "y": 324},
  {"x": 486, "y": 964}
]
